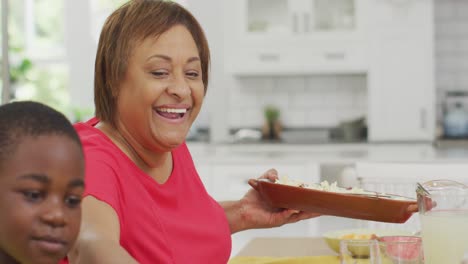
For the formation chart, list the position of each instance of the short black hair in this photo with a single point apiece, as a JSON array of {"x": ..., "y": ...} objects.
[{"x": 30, "y": 119}]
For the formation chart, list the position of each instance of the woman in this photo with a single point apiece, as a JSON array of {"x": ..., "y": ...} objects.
[{"x": 144, "y": 200}]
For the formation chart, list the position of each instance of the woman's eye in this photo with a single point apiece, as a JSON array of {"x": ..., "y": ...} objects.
[
  {"x": 193, "y": 74},
  {"x": 33, "y": 196},
  {"x": 73, "y": 201},
  {"x": 159, "y": 74}
]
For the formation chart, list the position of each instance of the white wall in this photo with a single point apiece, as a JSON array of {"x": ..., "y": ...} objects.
[{"x": 304, "y": 101}]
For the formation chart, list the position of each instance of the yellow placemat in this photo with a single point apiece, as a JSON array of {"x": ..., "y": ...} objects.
[
  {"x": 294, "y": 260},
  {"x": 286, "y": 260}
]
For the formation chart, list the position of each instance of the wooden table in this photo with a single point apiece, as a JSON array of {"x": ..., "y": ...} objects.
[{"x": 287, "y": 247}]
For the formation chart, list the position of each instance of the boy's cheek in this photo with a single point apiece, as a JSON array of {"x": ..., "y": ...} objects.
[{"x": 74, "y": 224}]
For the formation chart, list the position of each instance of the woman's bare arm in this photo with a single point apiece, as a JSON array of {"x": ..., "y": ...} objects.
[
  {"x": 253, "y": 211},
  {"x": 98, "y": 241}
]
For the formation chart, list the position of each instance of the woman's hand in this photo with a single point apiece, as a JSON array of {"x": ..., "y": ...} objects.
[
  {"x": 257, "y": 213},
  {"x": 252, "y": 211}
]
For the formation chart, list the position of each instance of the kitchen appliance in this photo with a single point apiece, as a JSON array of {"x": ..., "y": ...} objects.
[{"x": 455, "y": 114}]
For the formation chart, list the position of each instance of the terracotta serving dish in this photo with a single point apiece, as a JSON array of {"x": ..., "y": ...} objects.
[{"x": 375, "y": 208}]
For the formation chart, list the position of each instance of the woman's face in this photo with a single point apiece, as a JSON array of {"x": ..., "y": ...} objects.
[
  {"x": 162, "y": 91},
  {"x": 41, "y": 185}
]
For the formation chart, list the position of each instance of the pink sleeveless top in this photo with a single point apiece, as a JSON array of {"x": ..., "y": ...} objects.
[{"x": 174, "y": 222}]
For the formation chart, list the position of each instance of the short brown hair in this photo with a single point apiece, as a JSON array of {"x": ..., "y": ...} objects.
[{"x": 132, "y": 22}]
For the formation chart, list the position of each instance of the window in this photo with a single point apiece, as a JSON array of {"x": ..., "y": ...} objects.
[
  {"x": 39, "y": 65},
  {"x": 49, "y": 62},
  {"x": 100, "y": 10}
]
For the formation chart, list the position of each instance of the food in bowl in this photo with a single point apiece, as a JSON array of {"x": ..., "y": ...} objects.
[
  {"x": 401, "y": 249},
  {"x": 359, "y": 236},
  {"x": 333, "y": 238}
]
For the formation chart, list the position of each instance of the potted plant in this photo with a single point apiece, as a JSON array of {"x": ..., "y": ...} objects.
[{"x": 272, "y": 126}]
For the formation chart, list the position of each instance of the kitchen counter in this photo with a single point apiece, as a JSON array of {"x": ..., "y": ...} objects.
[
  {"x": 225, "y": 169},
  {"x": 286, "y": 247},
  {"x": 327, "y": 153},
  {"x": 286, "y": 250}
]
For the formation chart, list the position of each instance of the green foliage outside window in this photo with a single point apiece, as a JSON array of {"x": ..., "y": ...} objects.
[
  {"x": 49, "y": 22},
  {"x": 19, "y": 65},
  {"x": 34, "y": 76}
]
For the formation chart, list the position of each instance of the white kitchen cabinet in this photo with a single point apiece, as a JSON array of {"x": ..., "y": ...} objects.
[
  {"x": 297, "y": 17},
  {"x": 287, "y": 37},
  {"x": 226, "y": 179},
  {"x": 401, "y": 88},
  {"x": 205, "y": 173},
  {"x": 230, "y": 180}
]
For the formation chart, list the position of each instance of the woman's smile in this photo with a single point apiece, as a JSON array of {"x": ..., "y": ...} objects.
[{"x": 171, "y": 113}]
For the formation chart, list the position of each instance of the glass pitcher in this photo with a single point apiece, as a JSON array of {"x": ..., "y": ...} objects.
[{"x": 443, "y": 210}]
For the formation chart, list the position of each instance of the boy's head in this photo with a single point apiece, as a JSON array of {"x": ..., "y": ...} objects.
[{"x": 41, "y": 184}]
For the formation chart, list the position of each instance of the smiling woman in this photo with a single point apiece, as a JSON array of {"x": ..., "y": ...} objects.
[{"x": 151, "y": 76}]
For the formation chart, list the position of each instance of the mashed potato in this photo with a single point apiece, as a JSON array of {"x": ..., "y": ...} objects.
[
  {"x": 323, "y": 186},
  {"x": 333, "y": 187}
]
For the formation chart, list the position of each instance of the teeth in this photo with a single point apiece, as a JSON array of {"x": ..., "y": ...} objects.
[{"x": 173, "y": 110}]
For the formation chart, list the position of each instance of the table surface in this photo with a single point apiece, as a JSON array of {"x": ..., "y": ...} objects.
[{"x": 287, "y": 247}]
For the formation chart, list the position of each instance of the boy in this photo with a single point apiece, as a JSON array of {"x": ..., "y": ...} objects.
[{"x": 41, "y": 184}]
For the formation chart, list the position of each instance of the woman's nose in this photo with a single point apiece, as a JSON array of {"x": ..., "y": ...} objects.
[
  {"x": 54, "y": 213},
  {"x": 179, "y": 87}
]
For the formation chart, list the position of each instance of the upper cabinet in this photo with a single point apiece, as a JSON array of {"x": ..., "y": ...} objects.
[
  {"x": 298, "y": 16},
  {"x": 302, "y": 36},
  {"x": 401, "y": 68}
]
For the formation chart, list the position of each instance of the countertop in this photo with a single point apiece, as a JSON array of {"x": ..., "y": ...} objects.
[
  {"x": 286, "y": 247},
  {"x": 328, "y": 153},
  {"x": 299, "y": 250},
  {"x": 224, "y": 169}
]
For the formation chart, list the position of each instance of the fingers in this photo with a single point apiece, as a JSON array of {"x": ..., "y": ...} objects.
[
  {"x": 270, "y": 174},
  {"x": 292, "y": 216},
  {"x": 412, "y": 208},
  {"x": 253, "y": 183}
]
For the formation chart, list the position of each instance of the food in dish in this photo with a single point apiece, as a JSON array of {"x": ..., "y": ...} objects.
[
  {"x": 333, "y": 187},
  {"x": 323, "y": 186},
  {"x": 374, "y": 207}
]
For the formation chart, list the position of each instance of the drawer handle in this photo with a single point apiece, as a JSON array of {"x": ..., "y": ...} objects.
[
  {"x": 267, "y": 57},
  {"x": 335, "y": 55}
]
